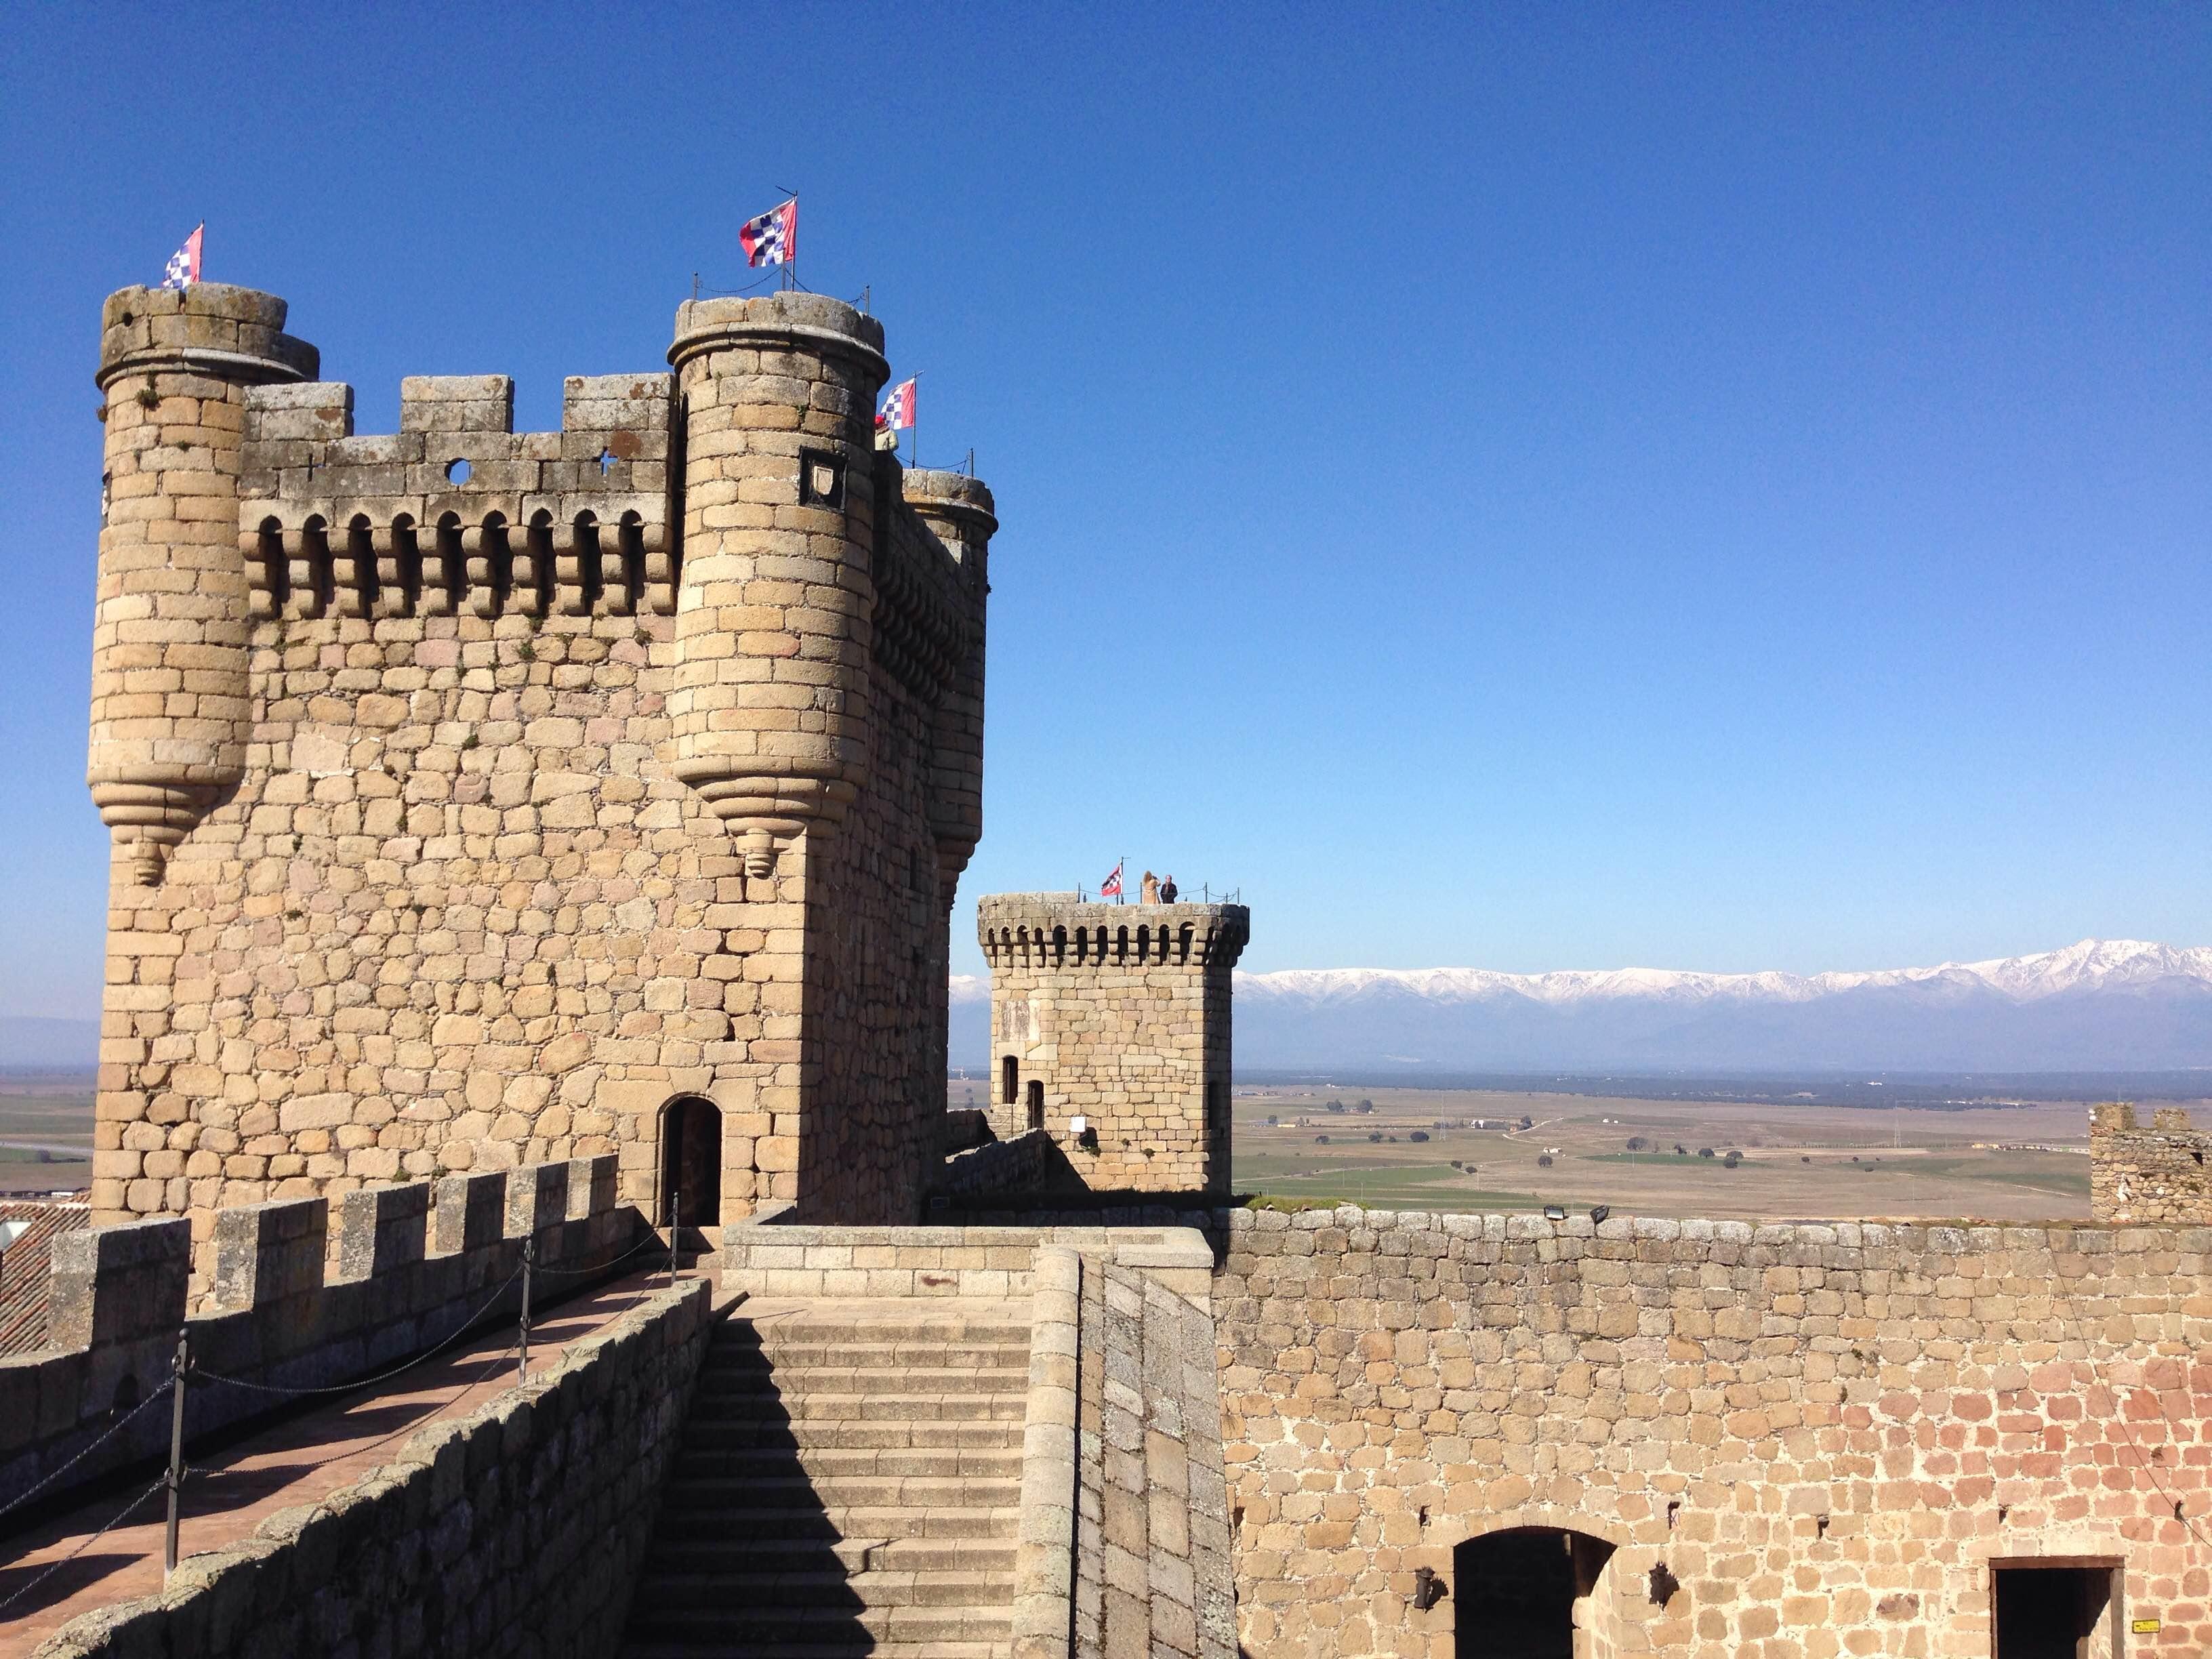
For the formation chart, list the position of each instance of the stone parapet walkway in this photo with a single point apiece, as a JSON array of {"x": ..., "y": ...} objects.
[{"x": 296, "y": 1460}]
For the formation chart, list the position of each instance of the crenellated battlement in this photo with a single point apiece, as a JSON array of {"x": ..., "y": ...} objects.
[
  {"x": 2154, "y": 1174},
  {"x": 1051, "y": 930},
  {"x": 456, "y": 511},
  {"x": 300, "y": 1293}
]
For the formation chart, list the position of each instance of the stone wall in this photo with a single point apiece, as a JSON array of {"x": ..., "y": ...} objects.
[
  {"x": 298, "y": 1293},
  {"x": 774, "y": 1259},
  {"x": 2154, "y": 1176},
  {"x": 1825, "y": 1435},
  {"x": 476, "y": 792},
  {"x": 1030, "y": 1164},
  {"x": 1152, "y": 1569},
  {"x": 516, "y": 1530},
  {"x": 1117, "y": 1015}
]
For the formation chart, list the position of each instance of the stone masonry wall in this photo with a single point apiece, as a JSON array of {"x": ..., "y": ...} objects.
[
  {"x": 1152, "y": 1570},
  {"x": 1826, "y": 1434},
  {"x": 516, "y": 1530},
  {"x": 1122, "y": 1013},
  {"x": 448, "y": 886},
  {"x": 2154, "y": 1176}
]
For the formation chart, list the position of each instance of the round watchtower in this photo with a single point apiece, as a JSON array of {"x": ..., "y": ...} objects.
[
  {"x": 769, "y": 699},
  {"x": 170, "y": 707}
]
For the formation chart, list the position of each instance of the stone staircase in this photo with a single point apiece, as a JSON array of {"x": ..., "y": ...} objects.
[{"x": 848, "y": 1485}]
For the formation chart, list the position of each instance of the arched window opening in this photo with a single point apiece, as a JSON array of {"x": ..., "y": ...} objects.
[
  {"x": 1010, "y": 1080},
  {"x": 1522, "y": 1593},
  {"x": 625, "y": 577},
  {"x": 591, "y": 577},
  {"x": 1144, "y": 944},
  {"x": 1059, "y": 946},
  {"x": 312, "y": 581},
  {"x": 453, "y": 566},
  {"x": 690, "y": 1162},
  {"x": 360, "y": 554},
  {"x": 407, "y": 564},
  {"x": 275, "y": 568},
  {"x": 1037, "y": 1103},
  {"x": 499, "y": 564}
]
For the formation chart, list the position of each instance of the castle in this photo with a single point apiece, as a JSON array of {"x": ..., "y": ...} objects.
[
  {"x": 481, "y": 797},
  {"x": 523, "y": 842}
]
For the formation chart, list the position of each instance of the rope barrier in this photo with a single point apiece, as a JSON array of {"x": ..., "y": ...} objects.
[
  {"x": 652, "y": 1240},
  {"x": 466, "y": 1328},
  {"x": 24, "y": 1498},
  {"x": 136, "y": 1504}
]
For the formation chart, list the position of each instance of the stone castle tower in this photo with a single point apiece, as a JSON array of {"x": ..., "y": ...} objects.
[
  {"x": 1110, "y": 1029},
  {"x": 482, "y": 797}
]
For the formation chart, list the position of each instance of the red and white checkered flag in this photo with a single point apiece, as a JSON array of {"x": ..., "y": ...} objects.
[
  {"x": 183, "y": 267},
  {"x": 1111, "y": 887},
  {"x": 772, "y": 238},
  {"x": 898, "y": 408}
]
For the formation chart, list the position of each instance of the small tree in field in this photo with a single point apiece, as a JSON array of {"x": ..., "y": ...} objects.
[
  {"x": 1638, "y": 1144},
  {"x": 1704, "y": 1151},
  {"x": 1323, "y": 1139},
  {"x": 1419, "y": 1134},
  {"x": 1733, "y": 1159},
  {"x": 1543, "y": 1160}
]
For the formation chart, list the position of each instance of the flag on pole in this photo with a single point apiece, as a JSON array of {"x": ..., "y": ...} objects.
[
  {"x": 1111, "y": 887},
  {"x": 183, "y": 267},
  {"x": 772, "y": 238},
  {"x": 898, "y": 408}
]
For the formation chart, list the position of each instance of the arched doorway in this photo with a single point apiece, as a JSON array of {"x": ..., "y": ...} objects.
[
  {"x": 690, "y": 1162},
  {"x": 1037, "y": 1103},
  {"x": 1523, "y": 1593}
]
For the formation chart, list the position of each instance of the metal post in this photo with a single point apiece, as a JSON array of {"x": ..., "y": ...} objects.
[
  {"x": 176, "y": 1450},
  {"x": 675, "y": 1229},
  {"x": 529, "y": 1261}
]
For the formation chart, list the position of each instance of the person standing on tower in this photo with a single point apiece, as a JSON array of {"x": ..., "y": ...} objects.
[
  {"x": 1150, "y": 891},
  {"x": 1168, "y": 891}
]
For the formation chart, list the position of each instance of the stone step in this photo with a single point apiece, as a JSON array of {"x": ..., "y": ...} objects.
[
  {"x": 692, "y": 1554},
  {"x": 868, "y": 1379},
  {"x": 887, "y": 1521},
  {"x": 861, "y": 1647},
  {"x": 817, "y": 1356},
  {"x": 831, "y": 1329},
  {"x": 821, "y": 1463},
  {"x": 835, "y": 1495},
  {"x": 828, "y": 1589},
  {"x": 778, "y": 1432},
  {"x": 847, "y": 1407},
  {"x": 928, "y": 1624}
]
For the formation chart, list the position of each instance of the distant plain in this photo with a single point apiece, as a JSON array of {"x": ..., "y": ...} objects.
[
  {"x": 46, "y": 1132},
  {"x": 1798, "y": 1161}
]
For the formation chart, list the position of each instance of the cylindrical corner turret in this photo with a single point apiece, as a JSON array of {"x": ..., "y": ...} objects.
[
  {"x": 169, "y": 694},
  {"x": 769, "y": 700},
  {"x": 960, "y": 511}
]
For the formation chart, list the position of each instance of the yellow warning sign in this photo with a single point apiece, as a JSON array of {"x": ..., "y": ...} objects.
[{"x": 2144, "y": 1627}]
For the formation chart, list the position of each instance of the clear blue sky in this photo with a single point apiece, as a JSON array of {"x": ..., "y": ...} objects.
[{"x": 1685, "y": 486}]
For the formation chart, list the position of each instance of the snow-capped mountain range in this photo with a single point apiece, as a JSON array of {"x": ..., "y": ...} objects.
[{"x": 2099, "y": 1005}]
